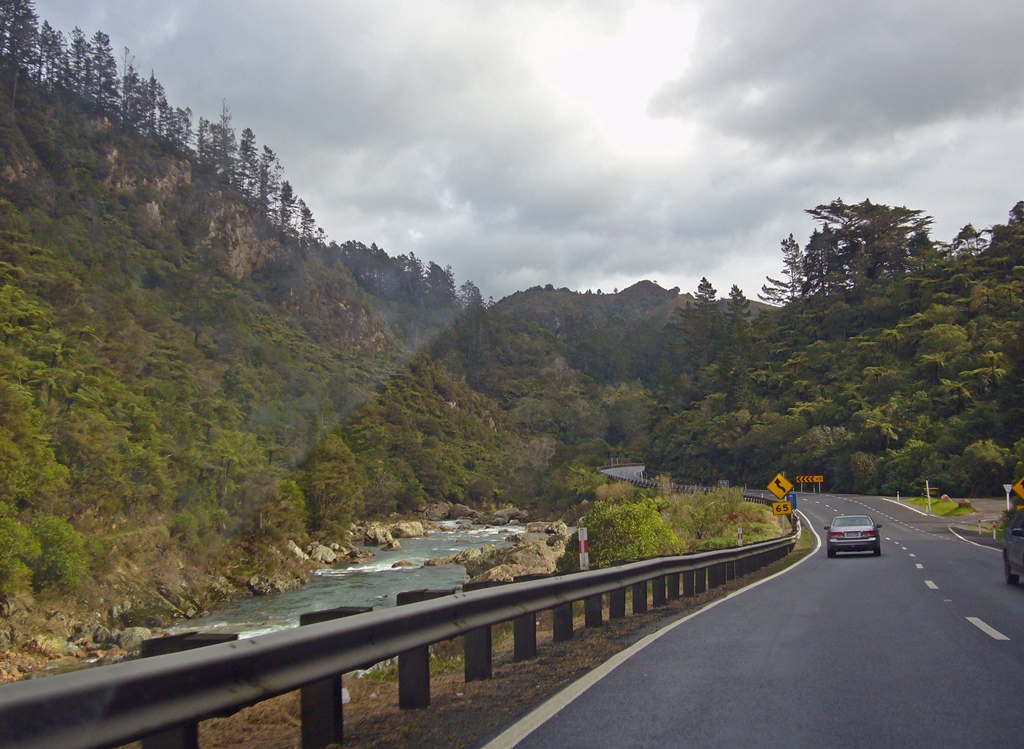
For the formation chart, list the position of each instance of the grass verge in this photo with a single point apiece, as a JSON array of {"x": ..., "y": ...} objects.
[{"x": 942, "y": 509}]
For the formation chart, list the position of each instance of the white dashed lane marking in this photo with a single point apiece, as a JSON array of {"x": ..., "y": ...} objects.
[
  {"x": 920, "y": 566},
  {"x": 931, "y": 585},
  {"x": 995, "y": 634}
]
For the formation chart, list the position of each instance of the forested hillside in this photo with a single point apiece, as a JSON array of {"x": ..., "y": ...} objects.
[
  {"x": 895, "y": 359},
  {"x": 192, "y": 374}
]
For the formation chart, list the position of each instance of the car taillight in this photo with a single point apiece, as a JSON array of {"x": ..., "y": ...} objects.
[
  {"x": 835, "y": 534},
  {"x": 872, "y": 532}
]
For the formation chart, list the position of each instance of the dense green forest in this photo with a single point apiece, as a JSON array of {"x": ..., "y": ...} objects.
[{"x": 192, "y": 373}]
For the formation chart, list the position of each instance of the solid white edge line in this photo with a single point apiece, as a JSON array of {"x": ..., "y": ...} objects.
[
  {"x": 992, "y": 632},
  {"x": 969, "y": 541},
  {"x": 901, "y": 504},
  {"x": 548, "y": 709}
]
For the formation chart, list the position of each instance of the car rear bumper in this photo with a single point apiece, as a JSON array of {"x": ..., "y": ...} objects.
[{"x": 854, "y": 544}]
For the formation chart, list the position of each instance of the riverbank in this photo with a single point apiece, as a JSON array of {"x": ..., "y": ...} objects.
[{"x": 47, "y": 635}]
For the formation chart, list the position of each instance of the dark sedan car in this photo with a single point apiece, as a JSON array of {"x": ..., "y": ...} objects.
[{"x": 853, "y": 533}]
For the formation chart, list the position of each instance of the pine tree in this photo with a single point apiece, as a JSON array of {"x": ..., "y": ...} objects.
[
  {"x": 268, "y": 181},
  {"x": 285, "y": 207},
  {"x": 248, "y": 165},
  {"x": 53, "y": 58},
  {"x": 307, "y": 226},
  {"x": 19, "y": 40},
  {"x": 79, "y": 63},
  {"x": 104, "y": 91},
  {"x": 789, "y": 289},
  {"x": 224, "y": 147}
]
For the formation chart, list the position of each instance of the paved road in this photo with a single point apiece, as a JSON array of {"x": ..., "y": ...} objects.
[{"x": 921, "y": 647}]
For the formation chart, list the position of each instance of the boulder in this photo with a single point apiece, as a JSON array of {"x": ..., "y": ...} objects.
[
  {"x": 457, "y": 511},
  {"x": 322, "y": 554},
  {"x": 395, "y": 545},
  {"x": 463, "y": 557},
  {"x": 437, "y": 511},
  {"x": 532, "y": 557},
  {"x": 262, "y": 585},
  {"x": 510, "y": 515},
  {"x": 375, "y": 534},
  {"x": 130, "y": 639},
  {"x": 354, "y": 554},
  {"x": 558, "y": 528},
  {"x": 503, "y": 573},
  {"x": 538, "y": 526},
  {"x": 294, "y": 549},
  {"x": 94, "y": 635},
  {"x": 408, "y": 529},
  {"x": 403, "y": 563}
]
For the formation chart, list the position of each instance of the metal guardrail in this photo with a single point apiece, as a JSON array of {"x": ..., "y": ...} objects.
[{"x": 113, "y": 705}]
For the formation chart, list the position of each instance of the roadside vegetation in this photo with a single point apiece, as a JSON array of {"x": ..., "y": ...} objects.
[{"x": 626, "y": 522}]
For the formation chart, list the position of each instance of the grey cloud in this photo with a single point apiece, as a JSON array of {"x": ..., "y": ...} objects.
[{"x": 839, "y": 73}]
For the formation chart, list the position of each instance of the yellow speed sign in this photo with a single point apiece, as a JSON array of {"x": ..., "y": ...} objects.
[{"x": 782, "y": 508}]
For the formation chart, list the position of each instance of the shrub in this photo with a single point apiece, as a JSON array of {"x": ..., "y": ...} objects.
[
  {"x": 17, "y": 546},
  {"x": 630, "y": 529},
  {"x": 62, "y": 561},
  {"x": 185, "y": 528}
]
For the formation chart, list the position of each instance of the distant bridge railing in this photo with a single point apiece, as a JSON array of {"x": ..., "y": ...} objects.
[
  {"x": 161, "y": 699},
  {"x": 757, "y": 497}
]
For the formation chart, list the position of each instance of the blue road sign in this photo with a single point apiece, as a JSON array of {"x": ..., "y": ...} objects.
[{"x": 791, "y": 497}]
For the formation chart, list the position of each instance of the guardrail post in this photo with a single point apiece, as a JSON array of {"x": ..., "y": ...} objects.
[
  {"x": 617, "y": 604},
  {"x": 672, "y": 583},
  {"x": 561, "y": 622},
  {"x": 184, "y": 736},
  {"x": 593, "y": 615},
  {"x": 476, "y": 644},
  {"x": 524, "y": 628},
  {"x": 640, "y": 598},
  {"x": 716, "y": 575},
  {"x": 320, "y": 703},
  {"x": 414, "y": 664},
  {"x": 730, "y": 570},
  {"x": 524, "y": 635},
  {"x": 658, "y": 597},
  {"x": 700, "y": 580},
  {"x": 689, "y": 578}
]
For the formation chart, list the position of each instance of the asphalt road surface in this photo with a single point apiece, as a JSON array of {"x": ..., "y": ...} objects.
[{"x": 921, "y": 647}]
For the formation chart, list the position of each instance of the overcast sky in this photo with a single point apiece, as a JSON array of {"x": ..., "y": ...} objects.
[{"x": 595, "y": 143}]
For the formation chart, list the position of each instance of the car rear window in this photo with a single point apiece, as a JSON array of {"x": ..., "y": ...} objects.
[{"x": 852, "y": 520}]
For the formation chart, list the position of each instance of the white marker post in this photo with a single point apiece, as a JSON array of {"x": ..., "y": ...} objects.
[
  {"x": 739, "y": 535},
  {"x": 584, "y": 549}
]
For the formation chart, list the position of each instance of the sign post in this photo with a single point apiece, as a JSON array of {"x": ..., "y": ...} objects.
[{"x": 1007, "y": 488}]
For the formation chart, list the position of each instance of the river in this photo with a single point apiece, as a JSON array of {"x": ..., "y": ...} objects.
[{"x": 372, "y": 583}]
